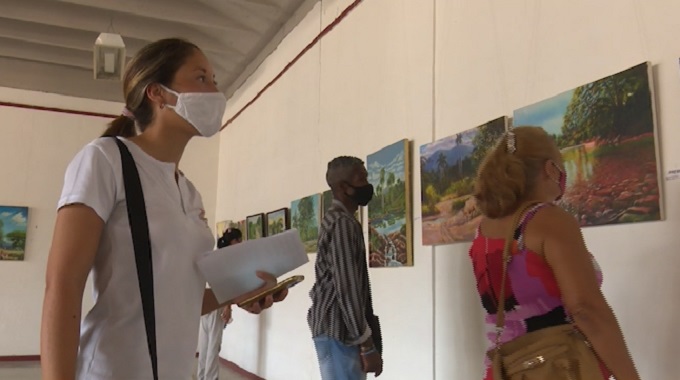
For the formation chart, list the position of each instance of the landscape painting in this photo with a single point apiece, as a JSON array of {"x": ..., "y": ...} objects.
[
  {"x": 13, "y": 232},
  {"x": 306, "y": 218},
  {"x": 327, "y": 202},
  {"x": 255, "y": 226},
  {"x": 243, "y": 226},
  {"x": 389, "y": 213},
  {"x": 606, "y": 132},
  {"x": 448, "y": 168},
  {"x": 277, "y": 222}
]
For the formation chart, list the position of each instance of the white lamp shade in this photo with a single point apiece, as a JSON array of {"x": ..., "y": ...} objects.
[{"x": 109, "y": 57}]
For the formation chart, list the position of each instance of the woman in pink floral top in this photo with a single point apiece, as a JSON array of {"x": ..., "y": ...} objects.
[{"x": 552, "y": 278}]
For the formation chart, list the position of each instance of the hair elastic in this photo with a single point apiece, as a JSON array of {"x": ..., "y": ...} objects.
[{"x": 126, "y": 112}]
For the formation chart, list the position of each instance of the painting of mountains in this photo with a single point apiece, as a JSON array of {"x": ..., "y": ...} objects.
[
  {"x": 606, "y": 132},
  {"x": 389, "y": 213},
  {"x": 448, "y": 168},
  {"x": 13, "y": 232}
]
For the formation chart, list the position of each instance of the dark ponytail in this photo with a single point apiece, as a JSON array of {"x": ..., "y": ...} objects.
[{"x": 121, "y": 126}]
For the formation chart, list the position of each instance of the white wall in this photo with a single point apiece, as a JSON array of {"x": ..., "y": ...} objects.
[
  {"x": 330, "y": 103},
  {"x": 383, "y": 74},
  {"x": 35, "y": 148},
  {"x": 496, "y": 56}
]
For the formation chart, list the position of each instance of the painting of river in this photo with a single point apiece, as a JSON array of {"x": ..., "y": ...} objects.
[
  {"x": 390, "y": 231},
  {"x": 448, "y": 168},
  {"x": 606, "y": 132}
]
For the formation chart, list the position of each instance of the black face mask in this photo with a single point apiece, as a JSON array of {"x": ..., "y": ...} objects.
[{"x": 362, "y": 194}]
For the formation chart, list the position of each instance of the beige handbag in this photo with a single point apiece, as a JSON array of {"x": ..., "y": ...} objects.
[{"x": 553, "y": 353}]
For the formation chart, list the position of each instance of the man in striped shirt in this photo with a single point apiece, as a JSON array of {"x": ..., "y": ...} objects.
[{"x": 341, "y": 315}]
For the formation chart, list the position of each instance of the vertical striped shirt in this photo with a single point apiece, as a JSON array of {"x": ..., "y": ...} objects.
[{"x": 341, "y": 292}]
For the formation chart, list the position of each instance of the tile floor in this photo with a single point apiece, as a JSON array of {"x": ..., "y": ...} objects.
[{"x": 31, "y": 371}]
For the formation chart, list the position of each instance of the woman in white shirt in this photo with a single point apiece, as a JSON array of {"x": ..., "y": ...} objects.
[
  {"x": 213, "y": 324},
  {"x": 170, "y": 96}
]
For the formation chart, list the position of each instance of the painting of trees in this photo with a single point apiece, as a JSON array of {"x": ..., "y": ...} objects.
[
  {"x": 389, "y": 213},
  {"x": 305, "y": 217},
  {"x": 13, "y": 226},
  {"x": 613, "y": 107},
  {"x": 255, "y": 226},
  {"x": 277, "y": 221},
  {"x": 448, "y": 168},
  {"x": 607, "y": 137}
]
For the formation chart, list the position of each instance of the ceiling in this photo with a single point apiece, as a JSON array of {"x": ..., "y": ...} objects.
[{"x": 46, "y": 45}]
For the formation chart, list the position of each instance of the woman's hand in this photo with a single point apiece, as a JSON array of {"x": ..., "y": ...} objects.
[{"x": 266, "y": 302}]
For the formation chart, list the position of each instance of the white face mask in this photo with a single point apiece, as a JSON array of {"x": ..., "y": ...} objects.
[{"x": 203, "y": 110}]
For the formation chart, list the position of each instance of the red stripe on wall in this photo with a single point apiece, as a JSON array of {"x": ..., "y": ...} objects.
[
  {"x": 297, "y": 57},
  {"x": 58, "y": 110},
  {"x": 20, "y": 358}
]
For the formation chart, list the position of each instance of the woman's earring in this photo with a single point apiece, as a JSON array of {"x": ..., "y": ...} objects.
[{"x": 162, "y": 105}]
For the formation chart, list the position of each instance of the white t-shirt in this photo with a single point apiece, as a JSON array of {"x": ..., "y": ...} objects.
[{"x": 113, "y": 337}]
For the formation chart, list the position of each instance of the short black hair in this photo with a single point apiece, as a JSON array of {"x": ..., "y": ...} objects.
[
  {"x": 340, "y": 168},
  {"x": 229, "y": 235}
]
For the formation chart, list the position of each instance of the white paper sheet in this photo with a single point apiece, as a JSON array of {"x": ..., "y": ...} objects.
[{"x": 230, "y": 271}]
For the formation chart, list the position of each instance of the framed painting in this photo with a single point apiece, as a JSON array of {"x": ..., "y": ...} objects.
[
  {"x": 327, "y": 202},
  {"x": 277, "y": 221},
  {"x": 390, "y": 231},
  {"x": 255, "y": 226},
  {"x": 448, "y": 168},
  {"x": 306, "y": 218},
  {"x": 222, "y": 226},
  {"x": 606, "y": 131},
  {"x": 243, "y": 226},
  {"x": 13, "y": 228}
]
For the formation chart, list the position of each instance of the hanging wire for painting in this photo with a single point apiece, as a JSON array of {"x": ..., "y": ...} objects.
[
  {"x": 111, "y": 29},
  {"x": 532, "y": 63},
  {"x": 320, "y": 159},
  {"x": 499, "y": 57},
  {"x": 642, "y": 31}
]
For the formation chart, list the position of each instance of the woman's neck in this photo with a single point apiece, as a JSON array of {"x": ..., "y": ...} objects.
[{"x": 162, "y": 144}]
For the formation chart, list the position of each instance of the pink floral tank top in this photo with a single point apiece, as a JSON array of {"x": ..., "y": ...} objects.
[{"x": 533, "y": 300}]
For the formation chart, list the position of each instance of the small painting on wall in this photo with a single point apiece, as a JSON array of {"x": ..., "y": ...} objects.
[
  {"x": 13, "y": 228},
  {"x": 243, "y": 226},
  {"x": 255, "y": 226},
  {"x": 606, "y": 132},
  {"x": 306, "y": 218},
  {"x": 277, "y": 221},
  {"x": 448, "y": 168},
  {"x": 389, "y": 213},
  {"x": 327, "y": 202}
]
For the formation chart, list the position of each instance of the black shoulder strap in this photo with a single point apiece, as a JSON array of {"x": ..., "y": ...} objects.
[{"x": 139, "y": 227}]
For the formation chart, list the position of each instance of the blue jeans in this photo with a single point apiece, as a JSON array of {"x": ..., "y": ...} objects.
[{"x": 338, "y": 361}]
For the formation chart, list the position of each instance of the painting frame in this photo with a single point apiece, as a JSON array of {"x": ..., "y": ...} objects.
[
  {"x": 448, "y": 170},
  {"x": 307, "y": 221},
  {"x": 13, "y": 232},
  {"x": 390, "y": 213},
  {"x": 243, "y": 226},
  {"x": 607, "y": 133},
  {"x": 271, "y": 231},
  {"x": 255, "y": 226}
]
